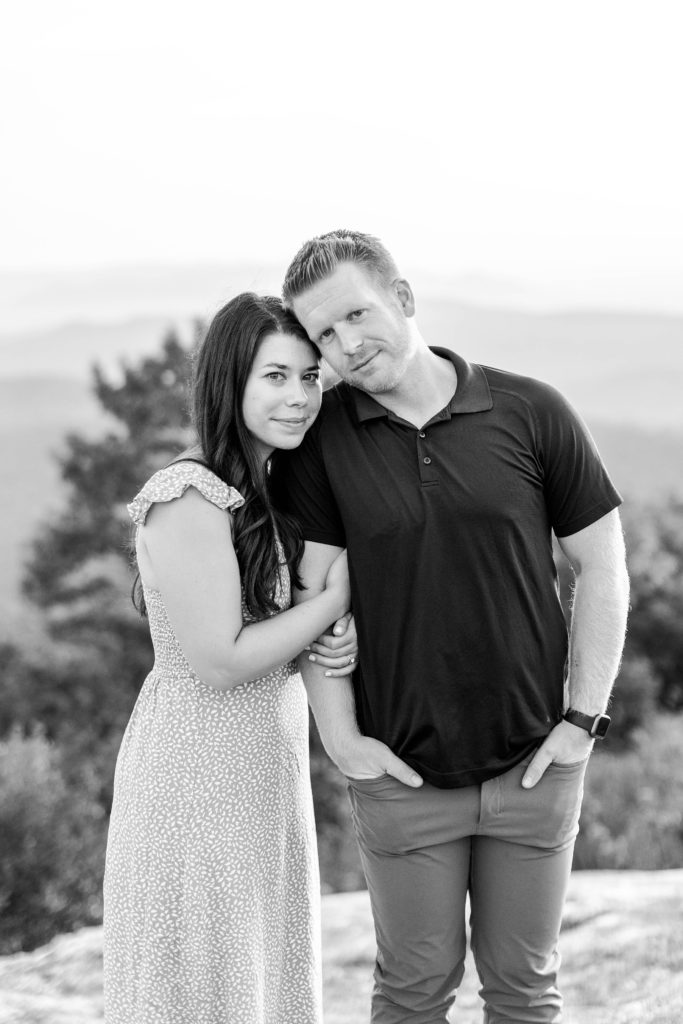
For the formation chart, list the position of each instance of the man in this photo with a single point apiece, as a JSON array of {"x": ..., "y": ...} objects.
[{"x": 466, "y": 733}]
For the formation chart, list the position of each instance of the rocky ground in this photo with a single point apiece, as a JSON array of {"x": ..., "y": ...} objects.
[{"x": 622, "y": 960}]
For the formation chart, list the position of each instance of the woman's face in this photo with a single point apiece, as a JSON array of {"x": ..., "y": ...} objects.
[{"x": 283, "y": 392}]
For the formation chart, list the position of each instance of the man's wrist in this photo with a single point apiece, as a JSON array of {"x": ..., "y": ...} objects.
[
  {"x": 596, "y": 725},
  {"x": 341, "y": 748}
]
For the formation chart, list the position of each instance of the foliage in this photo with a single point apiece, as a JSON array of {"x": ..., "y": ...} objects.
[
  {"x": 72, "y": 572},
  {"x": 51, "y": 845},
  {"x": 632, "y": 813},
  {"x": 79, "y": 682},
  {"x": 651, "y": 675},
  {"x": 655, "y": 549},
  {"x": 340, "y": 868},
  {"x": 82, "y": 686},
  {"x": 635, "y": 699}
]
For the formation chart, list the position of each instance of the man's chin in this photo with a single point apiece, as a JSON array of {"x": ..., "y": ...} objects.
[{"x": 371, "y": 384}]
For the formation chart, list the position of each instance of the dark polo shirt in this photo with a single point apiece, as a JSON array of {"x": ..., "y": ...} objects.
[{"x": 462, "y": 640}]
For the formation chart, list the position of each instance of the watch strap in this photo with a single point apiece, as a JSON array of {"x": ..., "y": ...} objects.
[{"x": 595, "y": 725}]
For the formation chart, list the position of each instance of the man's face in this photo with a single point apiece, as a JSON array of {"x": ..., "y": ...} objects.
[{"x": 360, "y": 326}]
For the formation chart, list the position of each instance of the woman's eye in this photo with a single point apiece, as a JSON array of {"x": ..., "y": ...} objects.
[
  {"x": 275, "y": 375},
  {"x": 313, "y": 377}
]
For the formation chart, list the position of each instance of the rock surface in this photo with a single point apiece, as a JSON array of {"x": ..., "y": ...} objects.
[{"x": 622, "y": 960}]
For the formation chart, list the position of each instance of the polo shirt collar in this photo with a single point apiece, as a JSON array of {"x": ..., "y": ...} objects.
[{"x": 472, "y": 393}]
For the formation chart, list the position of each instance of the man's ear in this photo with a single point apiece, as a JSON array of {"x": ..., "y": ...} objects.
[{"x": 405, "y": 296}]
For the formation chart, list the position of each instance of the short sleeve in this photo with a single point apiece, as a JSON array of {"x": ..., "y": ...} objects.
[
  {"x": 173, "y": 481},
  {"x": 578, "y": 489},
  {"x": 304, "y": 490}
]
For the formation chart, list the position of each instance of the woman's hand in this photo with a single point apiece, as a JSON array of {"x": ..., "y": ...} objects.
[{"x": 337, "y": 652}]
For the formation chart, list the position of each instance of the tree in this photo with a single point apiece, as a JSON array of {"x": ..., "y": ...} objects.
[
  {"x": 81, "y": 689},
  {"x": 651, "y": 675},
  {"x": 51, "y": 845},
  {"x": 655, "y": 549},
  {"x": 81, "y": 684}
]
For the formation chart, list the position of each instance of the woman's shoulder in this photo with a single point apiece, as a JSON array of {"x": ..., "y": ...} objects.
[{"x": 172, "y": 481}]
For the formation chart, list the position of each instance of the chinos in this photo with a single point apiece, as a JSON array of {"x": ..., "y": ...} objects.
[{"x": 424, "y": 850}]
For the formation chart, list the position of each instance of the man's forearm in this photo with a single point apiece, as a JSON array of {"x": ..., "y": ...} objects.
[
  {"x": 598, "y": 628},
  {"x": 596, "y": 638},
  {"x": 333, "y": 706},
  {"x": 331, "y": 697}
]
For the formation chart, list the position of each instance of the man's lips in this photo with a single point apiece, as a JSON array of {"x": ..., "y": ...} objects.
[{"x": 361, "y": 366}]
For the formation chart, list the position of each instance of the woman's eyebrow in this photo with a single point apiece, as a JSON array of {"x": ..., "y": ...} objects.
[{"x": 285, "y": 366}]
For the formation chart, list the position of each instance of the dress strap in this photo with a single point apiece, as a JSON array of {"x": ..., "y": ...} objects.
[{"x": 173, "y": 481}]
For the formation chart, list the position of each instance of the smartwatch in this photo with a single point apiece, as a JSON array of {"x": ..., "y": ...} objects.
[{"x": 595, "y": 725}]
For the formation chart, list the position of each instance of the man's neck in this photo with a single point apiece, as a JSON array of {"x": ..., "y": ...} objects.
[{"x": 425, "y": 389}]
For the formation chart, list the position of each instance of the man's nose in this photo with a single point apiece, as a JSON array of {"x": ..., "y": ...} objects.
[{"x": 350, "y": 338}]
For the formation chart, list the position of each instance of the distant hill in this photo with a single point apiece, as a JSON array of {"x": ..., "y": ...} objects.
[
  {"x": 35, "y": 415},
  {"x": 645, "y": 465},
  {"x": 624, "y": 373},
  {"x": 35, "y": 300},
  {"x": 615, "y": 367},
  {"x": 70, "y": 351}
]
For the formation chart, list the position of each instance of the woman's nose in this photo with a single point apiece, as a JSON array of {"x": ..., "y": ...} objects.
[{"x": 296, "y": 393}]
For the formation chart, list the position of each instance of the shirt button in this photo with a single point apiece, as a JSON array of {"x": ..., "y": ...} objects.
[
  {"x": 422, "y": 434},
  {"x": 427, "y": 461}
]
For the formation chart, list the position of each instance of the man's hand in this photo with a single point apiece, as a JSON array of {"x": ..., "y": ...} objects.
[
  {"x": 367, "y": 758},
  {"x": 565, "y": 744}
]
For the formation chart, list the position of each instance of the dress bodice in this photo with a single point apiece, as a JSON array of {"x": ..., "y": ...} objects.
[{"x": 166, "y": 485}]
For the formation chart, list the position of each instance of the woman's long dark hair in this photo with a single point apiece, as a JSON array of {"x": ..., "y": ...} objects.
[{"x": 222, "y": 365}]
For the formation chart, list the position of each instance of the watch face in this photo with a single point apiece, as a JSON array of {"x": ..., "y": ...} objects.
[{"x": 601, "y": 725}]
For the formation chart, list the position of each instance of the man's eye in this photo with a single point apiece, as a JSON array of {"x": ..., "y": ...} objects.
[
  {"x": 326, "y": 335},
  {"x": 356, "y": 314}
]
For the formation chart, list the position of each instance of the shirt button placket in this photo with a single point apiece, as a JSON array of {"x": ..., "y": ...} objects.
[{"x": 424, "y": 460}]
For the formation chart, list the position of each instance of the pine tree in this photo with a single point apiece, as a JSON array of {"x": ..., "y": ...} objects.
[
  {"x": 655, "y": 542},
  {"x": 82, "y": 688}
]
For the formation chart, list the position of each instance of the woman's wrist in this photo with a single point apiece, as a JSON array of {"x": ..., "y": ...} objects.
[{"x": 337, "y": 601}]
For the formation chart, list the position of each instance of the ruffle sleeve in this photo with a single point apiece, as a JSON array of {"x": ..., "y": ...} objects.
[{"x": 173, "y": 481}]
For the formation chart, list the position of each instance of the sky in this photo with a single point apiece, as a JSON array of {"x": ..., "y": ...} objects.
[{"x": 534, "y": 144}]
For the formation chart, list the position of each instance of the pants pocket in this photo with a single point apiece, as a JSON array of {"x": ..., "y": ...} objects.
[
  {"x": 377, "y": 810},
  {"x": 547, "y": 815}
]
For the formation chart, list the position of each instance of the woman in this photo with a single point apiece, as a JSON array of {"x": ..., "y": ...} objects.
[{"x": 211, "y": 887}]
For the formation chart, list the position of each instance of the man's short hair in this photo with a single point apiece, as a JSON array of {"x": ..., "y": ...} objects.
[{"x": 320, "y": 256}]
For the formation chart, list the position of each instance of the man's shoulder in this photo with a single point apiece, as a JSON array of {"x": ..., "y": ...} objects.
[
  {"x": 339, "y": 394},
  {"x": 338, "y": 405},
  {"x": 531, "y": 390}
]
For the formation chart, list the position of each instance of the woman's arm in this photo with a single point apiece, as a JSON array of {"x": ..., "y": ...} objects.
[{"x": 185, "y": 551}]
